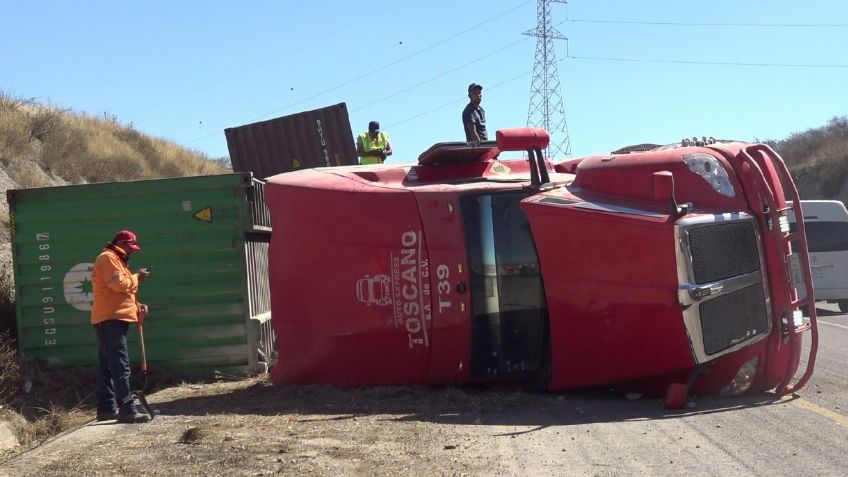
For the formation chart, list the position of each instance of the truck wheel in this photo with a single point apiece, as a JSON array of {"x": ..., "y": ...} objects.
[{"x": 843, "y": 305}]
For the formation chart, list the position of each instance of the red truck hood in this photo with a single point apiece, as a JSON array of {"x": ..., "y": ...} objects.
[{"x": 610, "y": 282}]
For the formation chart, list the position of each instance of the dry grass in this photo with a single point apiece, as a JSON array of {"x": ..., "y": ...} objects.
[
  {"x": 814, "y": 145},
  {"x": 14, "y": 127},
  {"x": 50, "y": 421},
  {"x": 10, "y": 369},
  {"x": 818, "y": 160},
  {"x": 27, "y": 174},
  {"x": 7, "y": 299},
  {"x": 42, "y": 402},
  {"x": 83, "y": 149}
]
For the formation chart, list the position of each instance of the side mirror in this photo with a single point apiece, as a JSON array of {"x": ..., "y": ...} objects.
[
  {"x": 664, "y": 192},
  {"x": 663, "y": 186}
]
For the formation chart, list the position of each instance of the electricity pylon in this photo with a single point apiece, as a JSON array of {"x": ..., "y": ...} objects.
[{"x": 546, "y": 106}]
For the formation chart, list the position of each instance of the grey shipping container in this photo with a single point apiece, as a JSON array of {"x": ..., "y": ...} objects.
[
  {"x": 318, "y": 138},
  {"x": 206, "y": 239}
]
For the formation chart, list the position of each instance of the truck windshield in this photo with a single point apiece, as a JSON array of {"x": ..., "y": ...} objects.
[{"x": 509, "y": 313}]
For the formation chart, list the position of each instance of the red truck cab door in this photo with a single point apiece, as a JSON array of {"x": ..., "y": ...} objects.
[{"x": 489, "y": 312}]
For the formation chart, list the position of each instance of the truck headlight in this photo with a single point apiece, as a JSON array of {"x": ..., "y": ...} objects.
[
  {"x": 744, "y": 378},
  {"x": 711, "y": 170}
]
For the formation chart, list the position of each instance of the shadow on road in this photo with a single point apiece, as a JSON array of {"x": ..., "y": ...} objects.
[{"x": 451, "y": 405}]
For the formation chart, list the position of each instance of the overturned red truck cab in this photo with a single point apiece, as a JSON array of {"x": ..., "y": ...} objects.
[{"x": 662, "y": 271}]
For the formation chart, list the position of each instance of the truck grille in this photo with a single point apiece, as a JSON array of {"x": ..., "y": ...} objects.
[
  {"x": 723, "y": 250},
  {"x": 733, "y": 318},
  {"x": 722, "y": 285}
]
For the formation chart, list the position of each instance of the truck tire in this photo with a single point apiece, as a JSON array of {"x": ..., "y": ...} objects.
[{"x": 843, "y": 305}]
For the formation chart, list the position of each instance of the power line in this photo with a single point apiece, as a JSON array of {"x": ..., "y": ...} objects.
[
  {"x": 704, "y": 24},
  {"x": 718, "y": 63},
  {"x": 393, "y": 63},
  {"x": 636, "y": 60},
  {"x": 342, "y": 29},
  {"x": 375, "y": 71},
  {"x": 573, "y": 57},
  {"x": 333, "y": 32},
  {"x": 445, "y": 73},
  {"x": 588, "y": 58},
  {"x": 454, "y": 101}
]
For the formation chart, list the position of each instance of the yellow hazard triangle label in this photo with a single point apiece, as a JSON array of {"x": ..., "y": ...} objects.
[
  {"x": 295, "y": 164},
  {"x": 204, "y": 214}
]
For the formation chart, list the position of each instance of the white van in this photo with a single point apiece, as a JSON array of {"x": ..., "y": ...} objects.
[{"x": 826, "y": 222}]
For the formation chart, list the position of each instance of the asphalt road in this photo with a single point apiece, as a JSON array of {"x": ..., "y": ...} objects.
[{"x": 765, "y": 434}]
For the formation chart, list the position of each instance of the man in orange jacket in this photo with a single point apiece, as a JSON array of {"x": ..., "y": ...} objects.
[{"x": 115, "y": 307}]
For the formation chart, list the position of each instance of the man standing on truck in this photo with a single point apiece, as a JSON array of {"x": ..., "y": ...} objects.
[
  {"x": 372, "y": 147},
  {"x": 115, "y": 307},
  {"x": 474, "y": 116}
]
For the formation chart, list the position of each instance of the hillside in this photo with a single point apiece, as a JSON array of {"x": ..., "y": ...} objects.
[{"x": 818, "y": 160}]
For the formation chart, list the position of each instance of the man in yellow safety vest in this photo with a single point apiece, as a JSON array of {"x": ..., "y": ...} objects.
[{"x": 373, "y": 147}]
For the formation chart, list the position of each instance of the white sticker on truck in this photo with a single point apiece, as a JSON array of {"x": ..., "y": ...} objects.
[{"x": 410, "y": 287}]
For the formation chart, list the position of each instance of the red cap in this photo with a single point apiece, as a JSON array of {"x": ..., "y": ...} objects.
[{"x": 127, "y": 237}]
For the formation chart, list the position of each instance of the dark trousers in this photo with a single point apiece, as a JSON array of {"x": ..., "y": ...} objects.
[{"x": 113, "y": 374}]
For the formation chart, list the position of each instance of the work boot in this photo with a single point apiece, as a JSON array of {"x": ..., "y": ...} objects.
[
  {"x": 135, "y": 418},
  {"x": 106, "y": 416}
]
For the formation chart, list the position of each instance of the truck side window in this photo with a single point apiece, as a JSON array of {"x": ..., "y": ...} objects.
[
  {"x": 824, "y": 236},
  {"x": 509, "y": 312}
]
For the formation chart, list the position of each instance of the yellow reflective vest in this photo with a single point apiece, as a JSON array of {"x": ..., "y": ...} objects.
[{"x": 369, "y": 144}]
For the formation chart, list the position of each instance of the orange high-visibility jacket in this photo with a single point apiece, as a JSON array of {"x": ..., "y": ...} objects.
[{"x": 115, "y": 289}]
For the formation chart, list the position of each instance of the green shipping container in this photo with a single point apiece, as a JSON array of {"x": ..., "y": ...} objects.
[{"x": 206, "y": 239}]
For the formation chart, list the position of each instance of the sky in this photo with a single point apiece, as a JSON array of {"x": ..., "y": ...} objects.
[{"x": 630, "y": 72}]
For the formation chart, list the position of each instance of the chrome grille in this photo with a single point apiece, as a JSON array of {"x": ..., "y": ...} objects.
[
  {"x": 722, "y": 289},
  {"x": 733, "y": 318},
  {"x": 723, "y": 250}
]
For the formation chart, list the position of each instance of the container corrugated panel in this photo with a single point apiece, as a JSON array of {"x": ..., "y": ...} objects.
[
  {"x": 316, "y": 138},
  {"x": 199, "y": 235}
]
